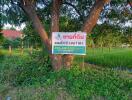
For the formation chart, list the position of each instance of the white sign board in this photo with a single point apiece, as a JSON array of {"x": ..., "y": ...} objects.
[{"x": 69, "y": 43}]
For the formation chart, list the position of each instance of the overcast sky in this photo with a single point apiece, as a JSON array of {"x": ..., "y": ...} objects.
[{"x": 8, "y": 26}]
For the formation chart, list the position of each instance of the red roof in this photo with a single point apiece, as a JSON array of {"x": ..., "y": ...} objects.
[{"x": 11, "y": 34}]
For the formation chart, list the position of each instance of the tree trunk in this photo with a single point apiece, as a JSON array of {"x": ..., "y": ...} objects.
[
  {"x": 67, "y": 60},
  {"x": 56, "y": 59},
  {"x": 30, "y": 11},
  {"x": 93, "y": 17}
]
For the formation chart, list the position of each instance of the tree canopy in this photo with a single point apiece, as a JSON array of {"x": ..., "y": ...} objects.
[{"x": 119, "y": 11}]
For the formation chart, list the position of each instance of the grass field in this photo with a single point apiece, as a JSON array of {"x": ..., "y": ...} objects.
[
  {"x": 25, "y": 77},
  {"x": 115, "y": 58}
]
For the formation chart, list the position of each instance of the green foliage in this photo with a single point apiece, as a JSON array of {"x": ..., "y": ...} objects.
[
  {"x": 14, "y": 43},
  {"x": 108, "y": 36},
  {"x": 79, "y": 10},
  {"x": 27, "y": 71},
  {"x": 32, "y": 78},
  {"x": 128, "y": 35},
  {"x": 91, "y": 83},
  {"x": 69, "y": 25},
  {"x": 31, "y": 38},
  {"x": 109, "y": 40},
  {"x": 1, "y": 39},
  {"x": 1, "y": 56},
  {"x": 90, "y": 40}
]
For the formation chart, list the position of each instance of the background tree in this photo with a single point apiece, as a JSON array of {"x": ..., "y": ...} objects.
[
  {"x": 108, "y": 35},
  {"x": 128, "y": 35},
  {"x": 1, "y": 39},
  {"x": 1, "y": 36},
  {"x": 13, "y": 43},
  {"x": 31, "y": 37}
]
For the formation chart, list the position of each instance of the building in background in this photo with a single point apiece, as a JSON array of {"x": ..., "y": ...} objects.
[{"x": 11, "y": 34}]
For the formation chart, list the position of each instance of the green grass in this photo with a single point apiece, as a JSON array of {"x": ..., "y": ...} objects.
[
  {"x": 30, "y": 78},
  {"x": 15, "y": 52},
  {"x": 116, "y": 57}
]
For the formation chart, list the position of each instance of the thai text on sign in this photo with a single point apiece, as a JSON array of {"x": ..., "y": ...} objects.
[{"x": 69, "y": 43}]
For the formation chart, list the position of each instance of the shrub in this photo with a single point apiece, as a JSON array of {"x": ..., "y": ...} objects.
[
  {"x": 1, "y": 38},
  {"x": 93, "y": 83},
  {"x": 32, "y": 71},
  {"x": 1, "y": 56}
]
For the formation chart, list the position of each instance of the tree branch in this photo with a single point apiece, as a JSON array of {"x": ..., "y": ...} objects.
[
  {"x": 94, "y": 15},
  {"x": 29, "y": 8},
  {"x": 16, "y": 4},
  {"x": 55, "y": 15},
  {"x": 12, "y": 2},
  {"x": 73, "y": 6},
  {"x": 45, "y": 3}
]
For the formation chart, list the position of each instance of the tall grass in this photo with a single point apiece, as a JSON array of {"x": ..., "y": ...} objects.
[{"x": 116, "y": 57}]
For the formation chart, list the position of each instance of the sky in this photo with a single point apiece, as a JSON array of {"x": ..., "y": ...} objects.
[{"x": 8, "y": 26}]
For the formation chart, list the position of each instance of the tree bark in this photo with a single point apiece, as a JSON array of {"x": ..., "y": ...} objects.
[
  {"x": 67, "y": 60},
  {"x": 28, "y": 7},
  {"x": 93, "y": 17},
  {"x": 55, "y": 16},
  {"x": 56, "y": 59}
]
